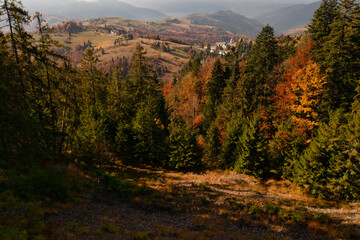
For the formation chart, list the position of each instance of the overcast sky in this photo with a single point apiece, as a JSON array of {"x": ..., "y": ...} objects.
[
  {"x": 149, "y": 3},
  {"x": 178, "y": 8}
]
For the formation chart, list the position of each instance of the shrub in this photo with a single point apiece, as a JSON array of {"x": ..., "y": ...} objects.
[
  {"x": 110, "y": 227},
  {"x": 20, "y": 220},
  {"x": 256, "y": 211},
  {"x": 40, "y": 184},
  {"x": 124, "y": 188}
]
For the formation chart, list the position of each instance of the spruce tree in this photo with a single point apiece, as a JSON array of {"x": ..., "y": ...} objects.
[
  {"x": 213, "y": 146},
  {"x": 142, "y": 130},
  {"x": 253, "y": 156},
  {"x": 329, "y": 168},
  {"x": 215, "y": 88},
  {"x": 234, "y": 131},
  {"x": 264, "y": 56},
  {"x": 185, "y": 153},
  {"x": 320, "y": 26},
  {"x": 341, "y": 55}
]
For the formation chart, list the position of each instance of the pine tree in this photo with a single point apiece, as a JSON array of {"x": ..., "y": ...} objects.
[
  {"x": 48, "y": 74},
  {"x": 229, "y": 107},
  {"x": 142, "y": 130},
  {"x": 329, "y": 168},
  {"x": 92, "y": 83},
  {"x": 23, "y": 137},
  {"x": 264, "y": 56},
  {"x": 89, "y": 139},
  {"x": 341, "y": 53},
  {"x": 320, "y": 26},
  {"x": 253, "y": 156},
  {"x": 212, "y": 146},
  {"x": 215, "y": 88},
  {"x": 185, "y": 153},
  {"x": 150, "y": 136},
  {"x": 234, "y": 131}
]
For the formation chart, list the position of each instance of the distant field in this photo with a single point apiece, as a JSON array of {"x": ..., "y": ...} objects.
[
  {"x": 173, "y": 60},
  {"x": 80, "y": 38}
]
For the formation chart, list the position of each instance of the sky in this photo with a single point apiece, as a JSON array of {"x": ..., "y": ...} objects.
[
  {"x": 178, "y": 8},
  {"x": 149, "y": 3}
]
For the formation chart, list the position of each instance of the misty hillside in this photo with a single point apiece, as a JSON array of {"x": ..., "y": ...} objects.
[
  {"x": 103, "y": 8},
  {"x": 228, "y": 21},
  {"x": 289, "y": 18},
  {"x": 250, "y": 9}
]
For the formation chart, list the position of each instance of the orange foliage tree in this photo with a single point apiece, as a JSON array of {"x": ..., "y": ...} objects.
[
  {"x": 298, "y": 97},
  {"x": 308, "y": 85},
  {"x": 188, "y": 95}
]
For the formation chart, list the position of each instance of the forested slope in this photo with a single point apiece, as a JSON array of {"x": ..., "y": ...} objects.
[{"x": 281, "y": 108}]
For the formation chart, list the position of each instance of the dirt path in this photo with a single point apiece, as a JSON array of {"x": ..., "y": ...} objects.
[
  {"x": 238, "y": 185},
  {"x": 213, "y": 205}
]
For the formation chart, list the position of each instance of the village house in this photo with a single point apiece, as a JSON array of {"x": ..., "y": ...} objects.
[{"x": 222, "y": 44}]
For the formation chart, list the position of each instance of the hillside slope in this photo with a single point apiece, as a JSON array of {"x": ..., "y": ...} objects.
[
  {"x": 290, "y": 18},
  {"x": 180, "y": 29},
  {"x": 228, "y": 21}
]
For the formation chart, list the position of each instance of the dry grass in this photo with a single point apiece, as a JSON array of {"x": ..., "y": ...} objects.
[{"x": 212, "y": 205}]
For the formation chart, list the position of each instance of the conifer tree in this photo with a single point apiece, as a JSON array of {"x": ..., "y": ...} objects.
[
  {"x": 142, "y": 130},
  {"x": 213, "y": 146},
  {"x": 264, "y": 56},
  {"x": 184, "y": 153},
  {"x": 234, "y": 131},
  {"x": 228, "y": 107},
  {"x": 215, "y": 88},
  {"x": 150, "y": 136},
  {"x": 320, "y": 26},
  {"x": 253, "y": 156},
  {"x": 329, "y": 168},
  {"x": 92, "y": 83},
  {"x": 341, "y": 55}
]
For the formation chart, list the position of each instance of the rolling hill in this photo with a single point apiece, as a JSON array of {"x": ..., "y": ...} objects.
[
  {"x": 228, "y": 21},
  {"x": 194, "y": 29},
  {"x": 109, "y": 54},
  {"x": 290, "y": 18}
]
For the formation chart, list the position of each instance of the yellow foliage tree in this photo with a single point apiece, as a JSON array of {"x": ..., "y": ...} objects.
[{"x": 308, "y": 86}]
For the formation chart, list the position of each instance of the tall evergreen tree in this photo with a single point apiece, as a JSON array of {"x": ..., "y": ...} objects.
[
  {"x": 215, "y": 88},
  {"x": 185, "y": 152},
  {"x": 213, "y": 146},
  {"x": 253, "y": 156},
  {"x": 329, "y": 168},
  {"x": 320, "y": 26},
  {"x": 264, "y": 56},
  {"x": 229, "y": 151},
  {"x": 341, "y": 55},
  {"x": 142, "y": 130}
]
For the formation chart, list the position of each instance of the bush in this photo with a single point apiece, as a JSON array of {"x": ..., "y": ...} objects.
[
  {"x": 256, "y": 211},
  {"x": 110, "y": 228},
  {"x": 124, "y": 188},
  {"x": 20, "y": 220},
  {"x": 40, "y": 184}
]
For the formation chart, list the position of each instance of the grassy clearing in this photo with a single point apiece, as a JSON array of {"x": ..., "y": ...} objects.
[{"x": 212, "y": 205}]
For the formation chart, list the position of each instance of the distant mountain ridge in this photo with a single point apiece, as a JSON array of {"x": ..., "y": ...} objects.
[
  {"x": 228, "y": 21},
  {"x": 81, "y": 10},
  {"x": 290, "y": 18}
]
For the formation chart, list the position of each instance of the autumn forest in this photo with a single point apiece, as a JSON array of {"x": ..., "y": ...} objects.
[{"x": 277, "y": 108}]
